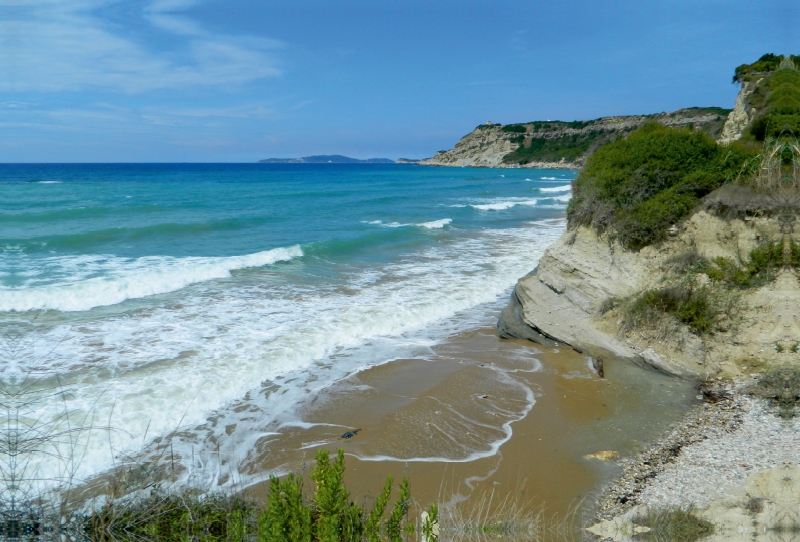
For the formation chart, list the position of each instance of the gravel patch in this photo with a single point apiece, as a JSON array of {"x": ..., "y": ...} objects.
[
  {"x": 711, "y": 452},
  {"x": 714, "y": 448},
  {"x": 709, "y": 469}
]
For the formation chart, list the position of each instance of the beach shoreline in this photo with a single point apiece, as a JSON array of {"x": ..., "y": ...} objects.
[
  {"x": 732, "y": 461},
  {"x": 542, "y": 460}
]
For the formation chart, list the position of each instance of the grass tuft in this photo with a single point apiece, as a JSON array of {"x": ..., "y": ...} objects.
[{"x": 673, "y": 525}]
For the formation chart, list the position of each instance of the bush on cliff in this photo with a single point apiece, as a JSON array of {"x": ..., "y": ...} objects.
[
  {"x": 767, "y": 63},
  {"x": 777, "y": 98},
  {"x": 637, "y": 187}
]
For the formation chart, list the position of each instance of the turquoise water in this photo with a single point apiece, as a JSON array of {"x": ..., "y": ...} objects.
[{"x": 165, "y": 295}]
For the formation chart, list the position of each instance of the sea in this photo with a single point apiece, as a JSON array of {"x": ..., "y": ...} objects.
[{"x": 146, "y": 301}]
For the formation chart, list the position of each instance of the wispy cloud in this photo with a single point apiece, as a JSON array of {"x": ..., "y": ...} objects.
[{"x": 63, "y": 45}]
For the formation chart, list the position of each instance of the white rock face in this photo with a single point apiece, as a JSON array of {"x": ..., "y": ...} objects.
[
  {"x": 484, "y": 147},
  {"x": 563, "y": 301},
  {"x": 740, "y": 117}
]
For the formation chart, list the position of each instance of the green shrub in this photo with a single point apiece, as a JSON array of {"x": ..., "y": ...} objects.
[
  {"x": 691, "y": 306},
  {"x": 287, "y": 515},
  {"x": 640, "y": 185},
  {"x": 515, "y": 128},
  {"x": 767, "y": 63},
  {"x": 569, "y": 148},
  {"x": 777, "y": 100}
]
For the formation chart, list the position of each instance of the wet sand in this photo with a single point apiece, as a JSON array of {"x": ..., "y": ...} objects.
[{"x": 441, "y": 419}]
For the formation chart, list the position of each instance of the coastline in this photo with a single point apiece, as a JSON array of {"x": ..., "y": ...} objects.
[
  {"x": 431, "y": 162},
  {"x": 542, "y": 460},
  {"x": 732, "y": 461}
]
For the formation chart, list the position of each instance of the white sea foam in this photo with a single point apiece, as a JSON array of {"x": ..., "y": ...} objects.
[
  {"x": 553, "y": 179},
  {"x": 502, "y": 205},
  {"x": 270, "y": 346},
  {"x": 436, "y": 224},
  {"x": 49, "y": 182},
  {"x": 121, "y": 279},
  {"x": 563, "y": 188}
]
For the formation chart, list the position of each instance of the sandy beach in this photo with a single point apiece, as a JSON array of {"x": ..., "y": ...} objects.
[{"x": 473, "y": 384}]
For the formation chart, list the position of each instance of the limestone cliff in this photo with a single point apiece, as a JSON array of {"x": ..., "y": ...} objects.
[
  {"x": 486, "y": 146},
  {"x": 567, "y": 300},
  {"x": 739, "y": 119},
  {"x": 555, "y": 144}
]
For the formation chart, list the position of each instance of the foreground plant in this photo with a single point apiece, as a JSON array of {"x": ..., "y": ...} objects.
[{"x": 288, "y": 515}]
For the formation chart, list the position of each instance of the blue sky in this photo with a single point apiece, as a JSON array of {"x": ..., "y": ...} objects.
[{"x": 240, "y": 80}]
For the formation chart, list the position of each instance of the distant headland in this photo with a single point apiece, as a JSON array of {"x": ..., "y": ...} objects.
[{"x": 326, "y": 159}]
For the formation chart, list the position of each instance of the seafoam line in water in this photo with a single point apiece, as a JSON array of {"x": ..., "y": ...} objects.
[
  {"x": 165, "y": 364},
  {"x": 563, "y": 188},
  {"x": 435, "y": 224},
  {"x": 503, "y": 204},
  {"x": 127, "y": 278}
]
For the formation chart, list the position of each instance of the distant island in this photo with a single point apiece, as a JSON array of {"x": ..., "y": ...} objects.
[{"x": 326, "y": 159}]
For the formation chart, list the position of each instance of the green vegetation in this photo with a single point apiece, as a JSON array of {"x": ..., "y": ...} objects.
[
  {"x": 761, "y": 269},
  {"x": 568, "y": 147},
  {"x": 703, "y": 294},
  {"x": 691, "y": 305},
  {"x": 721, "y": 111},
  {"x": 777, "y": 100},
  {"x": 515, "y": 128},
  {"x": 288, "y": 515},
  {"x": 673, "y": 525},
  {"x": 637, "y": 187},
  {"x": 747, "y": 72}
]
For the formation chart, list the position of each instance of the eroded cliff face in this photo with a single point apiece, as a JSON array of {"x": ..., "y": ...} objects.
[
  {"x": 741, "y": 116},
  {"x": 492, "y": 146},
  {"x": 486, "y": 146},
  {"x": 567, "y": 300}
]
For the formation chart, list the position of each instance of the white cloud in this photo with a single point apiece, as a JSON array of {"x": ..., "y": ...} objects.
[{"x": 62, "y": 45}]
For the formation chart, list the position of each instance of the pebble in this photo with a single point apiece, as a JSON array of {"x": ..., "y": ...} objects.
[{"x": 714, "y": 448}]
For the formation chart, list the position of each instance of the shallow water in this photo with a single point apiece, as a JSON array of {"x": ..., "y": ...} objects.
[
  {"x": 476, "y": 415},
  {"x": 218, "y": 301}
]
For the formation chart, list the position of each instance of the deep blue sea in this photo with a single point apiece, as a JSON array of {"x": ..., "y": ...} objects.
[{"x": 162, "y": 295}]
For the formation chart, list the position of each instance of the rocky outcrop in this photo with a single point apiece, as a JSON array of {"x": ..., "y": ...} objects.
[
  {"x": 569, "y": 300},
  {"x": 486, "y": 146},
  {"x": 493, "y": 145},
  {"x": 741, "y": 116}
]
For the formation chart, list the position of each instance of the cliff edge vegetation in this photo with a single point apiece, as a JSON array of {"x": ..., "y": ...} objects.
[
  {"x": 681, "y": 251},
  {"x": 561, "y": 144}
]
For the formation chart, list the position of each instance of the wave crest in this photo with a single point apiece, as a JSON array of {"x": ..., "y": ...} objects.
[{"x": 131, "y": 279}]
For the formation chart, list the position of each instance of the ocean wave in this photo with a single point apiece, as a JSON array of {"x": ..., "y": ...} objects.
[
  {"x": 563, "y": 188},
  {"x": 553, "y": 179},
  {"x": 122, "y": 279},
  {"x": 174, "y": 365},
  {"x": 503, "y": 205},
  {"x": 436, "y": 224}
]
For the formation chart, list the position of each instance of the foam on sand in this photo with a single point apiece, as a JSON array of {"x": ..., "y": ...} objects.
[{"x": 263, "y": 345}]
